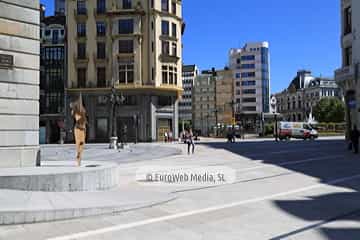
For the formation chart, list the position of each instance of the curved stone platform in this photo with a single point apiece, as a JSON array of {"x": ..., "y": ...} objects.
[
  {"x": 19, "y": 207},
  {"x": 61, "y": 176}
]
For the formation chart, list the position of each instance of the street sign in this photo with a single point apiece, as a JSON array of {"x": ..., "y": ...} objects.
[{"x": 273, "y": 104}]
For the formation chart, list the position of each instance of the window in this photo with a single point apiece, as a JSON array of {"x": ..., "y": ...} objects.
[
  {"x": 165, "y": 5},
  {"x": 249, "y": 100},
  {"x": 248, "y": 57},
  {"x": 165, "y": 28},
  {"x": 249, "y": 91},
  {"x": 165, "y": 75},
  {"x": 169, "y": 75},
  {"x": 249, "y": 108},
  {"x": 152, "y": 3},
  {"x": 81, "y": 7},
  {"x": 174, "y": 49},
  {"x": 126, "y": 26},
  {"x": 237, "y": 84},
  {"x": 237, "y": 75},
  {"x": 173, "y": 8},
  {"x": 126, "y": 73},
  {"x": 55, "y": 37},
  {"x": 100, "y": 29},
  {"x": 248, "y": 74},
  {"x": 101, "y": 77},
  {"x": 165, "y": 46},
  {"x": 101, "y": 6},
  {"x": 347, "y": 21},
  {"x": 248, "y": 83},
  {"x": 348, "y": 56},
  {"x": 172, "y": 75},
  {"x": 81, "y": 48},
  {"x": 81, "y": 76},
  {"x": 101, "y": 50},
  {"x": 247, "y": 66},
  {"x": 81, "y": 29},
  {"x": 238, "y": 61},
  {"x": 126, "y": 4},
  {"x": 126, "y": 46},
  {"x": 174, "y": 33}
]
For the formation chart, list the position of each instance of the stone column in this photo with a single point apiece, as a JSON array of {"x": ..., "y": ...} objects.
[{"x": 19, "y": 83}]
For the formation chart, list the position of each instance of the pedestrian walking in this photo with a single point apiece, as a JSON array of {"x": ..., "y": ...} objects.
[
  {"x": 165, "y": 136},
  {"x": 355, "y": 139},
  {"x": 190, "y": 141},
  {"x": 242, "y": 132},
  {"x": 170, "y": 136}
]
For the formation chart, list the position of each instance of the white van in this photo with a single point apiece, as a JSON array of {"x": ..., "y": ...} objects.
[{"x": 302, "y": 130}]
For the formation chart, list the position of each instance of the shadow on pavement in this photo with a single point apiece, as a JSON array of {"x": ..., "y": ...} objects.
[{"x": 318, "y": 210}]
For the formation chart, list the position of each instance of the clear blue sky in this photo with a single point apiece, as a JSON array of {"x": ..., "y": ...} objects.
[{"x": 302, "y": 34}]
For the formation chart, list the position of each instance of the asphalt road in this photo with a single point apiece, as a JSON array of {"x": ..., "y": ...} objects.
[{"x": 285, "y": 190}]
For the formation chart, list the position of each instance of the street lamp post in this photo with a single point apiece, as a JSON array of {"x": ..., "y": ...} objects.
[
  {"x": 136, "y": 124},
  {"x": 115, "y": 101},
  {"x": 273, "y": 110}
]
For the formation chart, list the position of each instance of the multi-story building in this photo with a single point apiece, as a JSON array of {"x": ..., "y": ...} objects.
[
  {"x": 52, "y": 77},
  {"x": 224, "y": 96},
  {"x": 204, "y": 103},
  {"x": 189, "y": 73},
  {"x": 19, "y": 83},
  {"x": 251, "y": 69},
  {"x": 60, "y": 7},
  {"x": 304, "y": 92},
  {"x": 347, "y": 77},
  {"x": 134, "y": 47}
]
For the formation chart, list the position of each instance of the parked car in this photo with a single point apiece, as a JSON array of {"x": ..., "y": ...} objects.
[{"x": 301, "y": 130}]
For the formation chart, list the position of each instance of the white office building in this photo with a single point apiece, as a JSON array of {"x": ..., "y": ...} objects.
[
  {"x": 189, "y": 73},
  {"x": 251, "y": 69}
]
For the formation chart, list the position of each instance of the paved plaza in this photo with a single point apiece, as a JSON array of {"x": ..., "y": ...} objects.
[{"x": 284, "y": 190}]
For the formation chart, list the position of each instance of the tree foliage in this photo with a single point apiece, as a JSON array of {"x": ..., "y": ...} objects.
[{"x": 330, "y": 109}]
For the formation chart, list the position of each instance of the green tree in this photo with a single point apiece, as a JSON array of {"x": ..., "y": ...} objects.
[{"x": 330, "y": 109}]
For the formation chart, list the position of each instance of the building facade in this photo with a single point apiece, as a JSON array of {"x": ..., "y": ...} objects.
[
  {"x": 189, "y": 74},
  {"x": 347, "y": 77},
  {"x": 134, "y": 47},
  {"x": 204, "y": 103},
  {"x": 304, "y": 92},
  {"x": 251, "y": 70},
  {"x": 19, "y": 83},
  {"x": 60, "y": 7},
  {"x": 224, "y": 97},
  {"x": 52, "y": 78}
]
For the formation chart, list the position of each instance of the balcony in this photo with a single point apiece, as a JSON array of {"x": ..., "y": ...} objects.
[
  {"x": 169, "y": 58},
  {"x": 118, "y": 11},
  {"x": 99, "y": 12},
  {"x": 100, "y": 59},
  {"x": 81, "y": 59},
  {"x": 80, "y": 14}
]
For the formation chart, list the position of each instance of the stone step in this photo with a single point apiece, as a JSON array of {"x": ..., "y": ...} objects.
[
  {"x": 61, "y": 176},
  {"x": 20, "y": 207}
]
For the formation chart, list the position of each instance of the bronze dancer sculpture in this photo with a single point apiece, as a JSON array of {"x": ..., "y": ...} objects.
[{"x": 79, "y": 113}]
